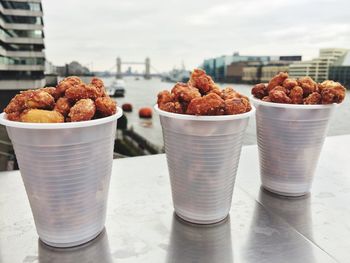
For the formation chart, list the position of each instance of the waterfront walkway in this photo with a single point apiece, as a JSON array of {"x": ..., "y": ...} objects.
[{"x": 141, "y": 227}]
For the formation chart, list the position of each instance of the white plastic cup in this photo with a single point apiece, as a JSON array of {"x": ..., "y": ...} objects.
[
  {"x": 66, "y": 169},
  {"x": 203, "y": 155},
  {"x": 290, "y": 139}
]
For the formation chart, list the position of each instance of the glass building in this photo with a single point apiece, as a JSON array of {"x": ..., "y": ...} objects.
[
  {"x": 217, "y": 67},
  {"x": 229, "y": 68},
  {"x": 22, "y": 57},
  {"x": 340, "y": 71}
]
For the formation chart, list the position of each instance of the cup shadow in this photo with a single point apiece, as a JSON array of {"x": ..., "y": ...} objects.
[
  {"x": 294, "y": 210},
  {"x": 97, "y": 250},
  {"x": 272, "y": 237},
  {"x": 200, "y": 243}
]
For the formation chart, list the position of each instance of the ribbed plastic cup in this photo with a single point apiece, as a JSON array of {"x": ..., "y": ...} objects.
[
  {"x": 203, "y": 155},
  {"x": 290, "y": 139},
  {"x": 66, "y": 169}
]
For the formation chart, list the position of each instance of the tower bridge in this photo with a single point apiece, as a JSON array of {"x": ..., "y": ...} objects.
[{"x": 146, "y": 63}]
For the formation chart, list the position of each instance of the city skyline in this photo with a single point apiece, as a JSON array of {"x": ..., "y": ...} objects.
[{"x": 177, "y": 31}]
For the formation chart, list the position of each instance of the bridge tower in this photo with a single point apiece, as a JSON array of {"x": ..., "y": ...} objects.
[
  {"x": 119, "y": 68},
  {"x": 147, "y": 68}
]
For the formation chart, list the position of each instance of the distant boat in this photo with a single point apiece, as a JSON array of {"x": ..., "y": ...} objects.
[
  {"x": 117, "y": 88},
  {"x": 177, "y": 75}
]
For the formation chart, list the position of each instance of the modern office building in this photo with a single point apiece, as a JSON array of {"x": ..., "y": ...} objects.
[
  {"x": 255, "y": 73},
  {"x": 252, "y": 72},
  {"x": 234, "y": 71},
  {"x": 22, "y": 57},
  {"x": 263, "y": 72},
  {"x": 217, "y": 67},
  {"x": 317, "y": 68},
  {"x": 237, "y": 68},
  {"x": 272, "y": 69},
  {"x": 340, "y": 70}
]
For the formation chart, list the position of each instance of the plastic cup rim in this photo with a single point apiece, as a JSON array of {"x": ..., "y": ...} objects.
[
  {"x": 292, "y": 106},
  {"x": 204, "y": 118},
  {"x": 54, "y": 126}
]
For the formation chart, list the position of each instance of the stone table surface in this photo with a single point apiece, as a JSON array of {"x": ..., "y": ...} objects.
[{"x": 141, "y": 226}]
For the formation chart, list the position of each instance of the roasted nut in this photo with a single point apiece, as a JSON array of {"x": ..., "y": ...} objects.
[
  {"x": 52, "y": 91},
  {"x": 105, "y": 106},
  {"x": 14, "y": 116},
  {"x": 184, "y": 93},
  {"x": 281, "y": 88},
  {"x": 308, "y": 85},
  {"x": 290, "y": 83},
  {"x": 211, "y": 104},
  {"x": 266, "y": 98},
  {"x": 38, "y": 99},
  {"x": 296, "y": 95},
  {"x": 279, "y": 96},
  {"x": 200, "y": 80},
  {"x": 235, "y": 106},
  {"x": 313, "y": 98},
  {"x": 41, "y": 116},
  {"x": 277, "y": 80},
  {"x": 82, "y": 91},
  {"x": 259, "y": 91},
  {"x": 83, "y": 110},
  {"x": 63, "y": 106},
  {"x": 67, "y": 83},
  {"x": 17, "y": 104},
  {"x": 332, "y": 92},
  {"x": 98, "y": 83}
]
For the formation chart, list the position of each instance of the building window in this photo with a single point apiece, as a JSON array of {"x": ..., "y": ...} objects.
[
  {"x": 27, "y": 33},
  {"x": 5, "y": 33},
  {"x": 21, "y": 61},
  {"x": 23, "y": 47},
  {"x": 21, "y": 5},
  {"x": 18, "y": 75},
  {"x": 21, "y": 19}
]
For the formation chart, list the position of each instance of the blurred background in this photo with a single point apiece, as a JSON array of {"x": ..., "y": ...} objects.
[{"x": 142, "y": 47}]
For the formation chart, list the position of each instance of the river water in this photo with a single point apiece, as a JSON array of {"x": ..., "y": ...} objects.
[{"x": 143, "y": 93}]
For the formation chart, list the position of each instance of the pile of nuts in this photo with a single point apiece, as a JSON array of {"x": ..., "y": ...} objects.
[
  {"x": 282, "y": 89},
  {"x": 202, "y": 96},
  {"x": 70, "y": 101}
]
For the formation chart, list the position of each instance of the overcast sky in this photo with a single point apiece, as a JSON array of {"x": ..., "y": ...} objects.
[{"x": 172, "y": 31}]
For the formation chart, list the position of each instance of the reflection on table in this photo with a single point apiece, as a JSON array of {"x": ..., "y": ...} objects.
[
  {"x": 96, "y": 250},
  {"x": 268, "y": 237},
  {"x": 200, "y": 243},
  {"x": 294, "y": 210}
]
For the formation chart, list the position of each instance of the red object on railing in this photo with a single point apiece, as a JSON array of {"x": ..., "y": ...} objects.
[
  {"x": 145, "y": 113},
  {"x": 127, "y": 107}
]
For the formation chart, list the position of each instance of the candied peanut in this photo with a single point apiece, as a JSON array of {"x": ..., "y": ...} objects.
[
  {"x": 279, "y": 96},
  {"x": 296, "y": 95},
  {"x": 277, "y": 80},
  {"x": 259, "y": 91},
  {"x": 41, "y": 116},
  {"x": 83, "y": 110}
]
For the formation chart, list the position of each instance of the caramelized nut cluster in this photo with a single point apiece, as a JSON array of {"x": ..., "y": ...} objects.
[
  {"x": 201, "y": 96},
  {"x": 282, "y": 89},
  {"x": 70, "y": 101}
]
